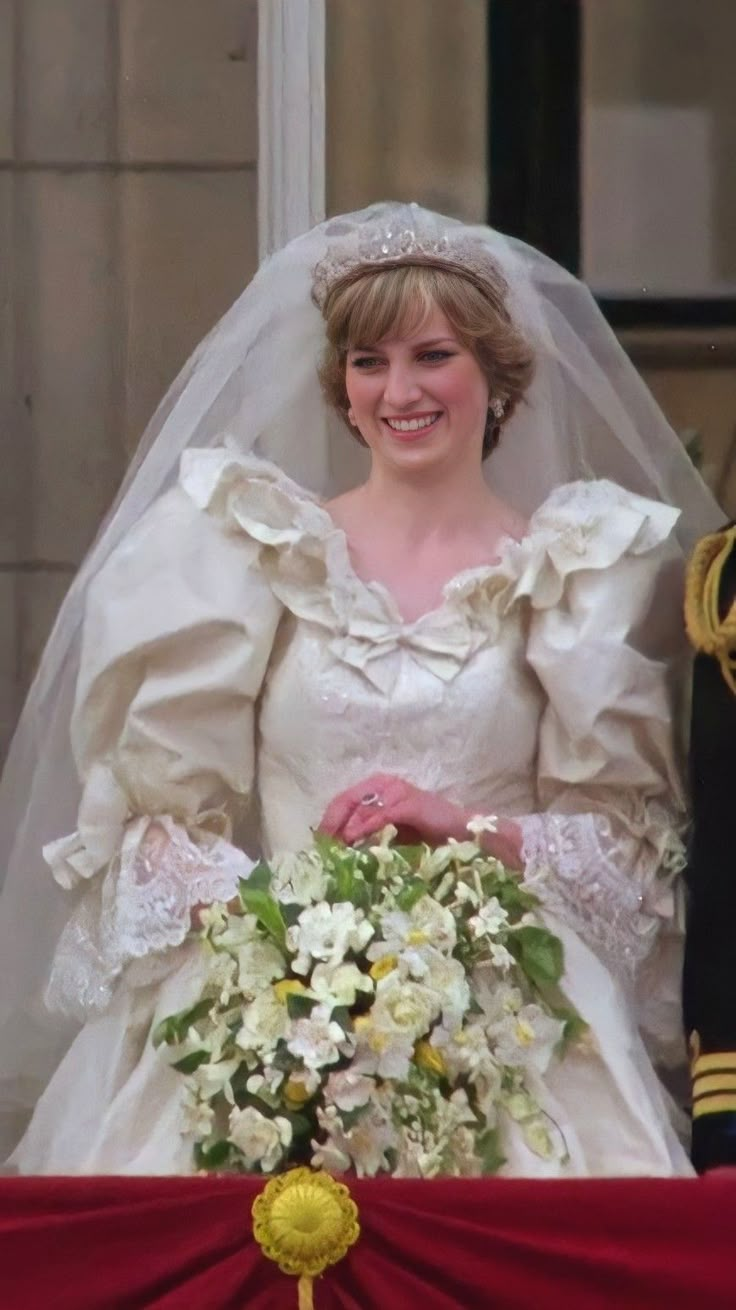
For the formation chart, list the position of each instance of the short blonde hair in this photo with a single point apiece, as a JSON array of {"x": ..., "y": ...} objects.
[{"x": 366, "y": 309}]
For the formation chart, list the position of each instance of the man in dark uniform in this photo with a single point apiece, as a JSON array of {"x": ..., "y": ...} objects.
[{"x": 710, "y": 952}]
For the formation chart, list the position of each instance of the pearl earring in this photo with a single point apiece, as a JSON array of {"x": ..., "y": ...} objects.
[{"x": 497, "y": 408}]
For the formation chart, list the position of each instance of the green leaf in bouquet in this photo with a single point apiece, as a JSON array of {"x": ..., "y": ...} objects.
[
  {"x": 259, "y": 878},
  {"x": 411, "y": 854},
  {"x": 411, "y": 892},
  {"x": 344, "y": 879},
  {"x": 512, "y": 897},
  {"x": 267, "y": 911},
  {"x": 301, "y": 1125},
  {"x": 174, "y": 1027},
  {"x": 539, "y": 953},
  {"x": 299, "y": 1006},
  {"x": 192, "y": 1061},
  {"x": 341, "y": 1015},
  {"x": 488, "y": 1145},
  {"x": 574, "y": 1028},
  {"x": 216, "y": 1156},
  {"x": 331, "y": 849},
  {"x": 290, "y": 911}
]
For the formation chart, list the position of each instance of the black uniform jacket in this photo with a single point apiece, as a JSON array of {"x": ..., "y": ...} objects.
[{"x": 710, "y": 953}]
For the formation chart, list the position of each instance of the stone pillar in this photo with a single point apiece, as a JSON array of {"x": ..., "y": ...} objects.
[{"x": 128, "y": 143}]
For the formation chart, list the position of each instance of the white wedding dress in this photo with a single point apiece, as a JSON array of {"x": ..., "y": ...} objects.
[{"x": 237, "y": 674}]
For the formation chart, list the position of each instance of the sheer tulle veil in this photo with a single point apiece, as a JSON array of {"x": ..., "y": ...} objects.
[{"x": 253, "y": 382}]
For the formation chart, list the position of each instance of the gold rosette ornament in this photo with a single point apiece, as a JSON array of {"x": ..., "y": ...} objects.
[{"x": 304, "y": 1221}]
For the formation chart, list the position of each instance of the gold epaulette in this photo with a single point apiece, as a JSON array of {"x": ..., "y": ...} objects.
[
  {"x": 705, "y": 628},
  {"x": 714, "y": 1080}
]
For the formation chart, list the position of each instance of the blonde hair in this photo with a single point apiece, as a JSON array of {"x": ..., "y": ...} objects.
[{"x": 398, "y": 299}]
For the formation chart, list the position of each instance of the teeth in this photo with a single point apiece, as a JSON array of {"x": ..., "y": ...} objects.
[{"x": 410, "y": 425}]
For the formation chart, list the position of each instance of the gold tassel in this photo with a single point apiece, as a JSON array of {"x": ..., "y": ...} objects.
[
  {"x": 306, "y": 1300},
  {"x": 707, "y": 632}
]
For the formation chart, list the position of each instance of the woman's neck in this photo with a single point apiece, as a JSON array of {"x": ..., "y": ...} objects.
[{"x": 416, "y": 508}]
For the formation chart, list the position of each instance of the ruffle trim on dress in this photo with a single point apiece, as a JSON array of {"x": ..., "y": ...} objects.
[
  {"x": 585, "y": 525},
  {"x": 305, "y": 557}
]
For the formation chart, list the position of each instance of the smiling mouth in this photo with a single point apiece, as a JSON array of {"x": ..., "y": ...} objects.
[{"x": 412, "y": 425}]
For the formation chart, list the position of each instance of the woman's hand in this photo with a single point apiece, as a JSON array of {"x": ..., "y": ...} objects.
[{"x": 418, "y": 815}]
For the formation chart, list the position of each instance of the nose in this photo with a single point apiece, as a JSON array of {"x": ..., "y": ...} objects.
[{"x": 401, "y": 387}]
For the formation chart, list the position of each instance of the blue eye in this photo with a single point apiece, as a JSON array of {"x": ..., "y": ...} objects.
[
  {"x": 365, "y": 361},
  {"x": 436, "y": 356}
]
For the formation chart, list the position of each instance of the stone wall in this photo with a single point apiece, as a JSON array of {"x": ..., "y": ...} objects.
[
  {"x": 128, "y": 224},
  {"x": 128, "y": 139}
]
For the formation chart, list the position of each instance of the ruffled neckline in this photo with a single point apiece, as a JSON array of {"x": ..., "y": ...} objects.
[{"x": 305, "y": 556}]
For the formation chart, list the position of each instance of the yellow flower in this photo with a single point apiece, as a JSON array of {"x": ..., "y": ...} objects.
[
  {"x": 382, "y": 967},
  {"x": 428, "y": 1057},
  {"x": 364, "y": 1025},
  {"x": 288, "y": 987},
  {"x": 296, "y": 1093}
]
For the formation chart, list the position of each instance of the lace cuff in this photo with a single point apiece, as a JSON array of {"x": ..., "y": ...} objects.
[
  {"x": 613, "y": 888},
  {"x": 138, "y": 909}
]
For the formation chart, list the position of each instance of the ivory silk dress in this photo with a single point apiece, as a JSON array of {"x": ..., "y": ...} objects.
[{"x": 237, "y": 674}]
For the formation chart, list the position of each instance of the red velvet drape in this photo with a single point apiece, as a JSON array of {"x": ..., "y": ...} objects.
[{"x": 187, "y": 1244}]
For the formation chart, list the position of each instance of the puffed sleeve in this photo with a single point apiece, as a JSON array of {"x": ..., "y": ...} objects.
[
  {"x": 603, "y": 579},
  {"x": 178, "y": 632}
]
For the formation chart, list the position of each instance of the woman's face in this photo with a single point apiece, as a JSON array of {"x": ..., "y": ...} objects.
[{"x": 419, "y": 399}]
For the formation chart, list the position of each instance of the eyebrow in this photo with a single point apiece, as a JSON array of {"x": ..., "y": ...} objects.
[{"x": 419, "y": 345}]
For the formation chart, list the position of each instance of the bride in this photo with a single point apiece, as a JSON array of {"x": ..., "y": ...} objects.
[{"x": 418, "y": 560}]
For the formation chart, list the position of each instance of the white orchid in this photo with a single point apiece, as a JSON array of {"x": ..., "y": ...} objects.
[
  {"x": 198, "y": 1117},
  {"x": 365, "y": 1145},
  {"x": 339, "y": 984},
  {"x": 349, "y": 1090},
  {"x": 463, "y": 1153},
  {"x": 447, "y": 979},
  {"x": 416, "y": 936},
  {"x": 259, "y": 964},
  {"x": 327, "y": 932},
  {"x": 481, "y": 823},
  {"x": 538, "y": 1138},
  {"x": 382, "y": 1054},
  {"x": 440, "y": 859},
  {"x": 265, "y": 1023},
  {"x": 266, "y": 1083},
  {"x": 501, "y": 958},
  {"x": 211, "y": 1079},
  {"x": 237, "y": 930},
  {"x": 490, "y": 919},
  {"x": 213, "y": 918},
  {"x": 527, "y": 1038},
  {"x": 466, "y": 894},
  {"x": 263, "y": 1141},
  {"x": 383, "y": 851},
  {"x": 222, "y": 976},
  {"x": 317, "y": 1039}
]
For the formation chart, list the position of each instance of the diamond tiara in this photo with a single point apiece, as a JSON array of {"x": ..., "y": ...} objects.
[{"x": 392, "y": 236}]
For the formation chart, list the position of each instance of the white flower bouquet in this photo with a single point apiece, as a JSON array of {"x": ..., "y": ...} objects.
[{"x": 381, "y": 1009}]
